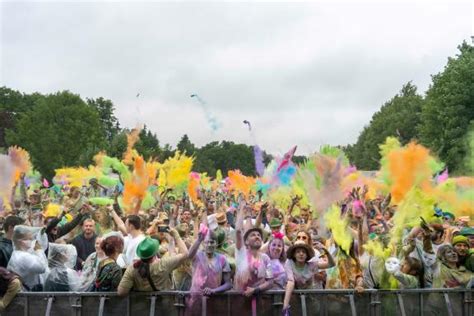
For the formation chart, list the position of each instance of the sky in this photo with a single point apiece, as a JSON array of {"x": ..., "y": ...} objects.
[{"x": 302, "y": 73}]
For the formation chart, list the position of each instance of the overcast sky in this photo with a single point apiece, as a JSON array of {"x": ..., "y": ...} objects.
[{"x": 302, "y": 73}]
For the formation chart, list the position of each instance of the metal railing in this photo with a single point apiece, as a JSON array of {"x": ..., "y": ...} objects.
[{"x": 451, "y": 302}]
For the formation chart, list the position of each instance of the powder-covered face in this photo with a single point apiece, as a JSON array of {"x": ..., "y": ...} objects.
[
  {"x": 210, "y": 246},
  {"x": 429, "y": 259},
  {"x": 300, "y": 255},
  {"x": 451, "y": 255},
  {"x": 276, "y": 248},
  {"x": 392, "y": 265}
]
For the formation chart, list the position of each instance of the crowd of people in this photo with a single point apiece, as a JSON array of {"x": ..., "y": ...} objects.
[{"x": 227, "y": 241}]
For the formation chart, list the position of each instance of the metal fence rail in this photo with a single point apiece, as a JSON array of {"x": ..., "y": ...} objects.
[{"x": 455, "y": 302}]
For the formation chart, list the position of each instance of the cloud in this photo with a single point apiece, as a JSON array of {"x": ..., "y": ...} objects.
[{"x": 302, "y": 73}]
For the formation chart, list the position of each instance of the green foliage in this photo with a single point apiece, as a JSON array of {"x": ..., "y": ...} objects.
[
  {"x": 60, "y": 130},
  {"x": 398, "y": 117},
  {"x": 225, "y": 156},
  {"x": 448, "y": 111},
  {"x": 185, "y": 146},
  {"x": 105, "y": 109},
  {"x": 148, "y": 145}
]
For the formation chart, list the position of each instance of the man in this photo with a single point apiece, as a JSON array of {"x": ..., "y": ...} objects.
[
  {"x": 55, "y": 232},
  {"x": 150, "y": 273},
  {"x": 85, "y": 242},
  {"x": 6, "y": 246},
  {"x": 256, "y": 275},
  {"x": 211, "y": 274},
  {"x": 468, "y": 232},
  {"x": 131, "y": 229},
  {"x": 465, "y": 255}
]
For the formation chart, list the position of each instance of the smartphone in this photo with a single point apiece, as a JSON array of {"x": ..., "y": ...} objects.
[{"x": 163, "y": 229}]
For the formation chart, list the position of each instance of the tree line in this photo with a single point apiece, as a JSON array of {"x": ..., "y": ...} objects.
[
  {"x": 442, "y": 119},
  {"x": 62, "y": 129}
]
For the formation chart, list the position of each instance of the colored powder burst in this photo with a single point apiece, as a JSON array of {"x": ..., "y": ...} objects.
[
  {"x": 408, "y": 167},
  {"x": 132, "y": 138},
  {"x": 259, "y": 165},
  {"x": 338, "y": 226},
  {"x": 20, "y": 159},
  {"x": 177, "y": 170},
  {"x": 162, "y": 180},
  {"x": 415, "y": 203},
  {"x": 52, "y": 210},
  {"x": 101, "y": 201},
  {"x": 77, "y": 176},
  {"x": 193, "y": 186},
  {"x": 391, "y": 144},
  {"x": 108, "y": 181},
  {"x": 334, "y": 152},
  {"x": 376, "y": 249},
  {"x": 240, "y": 183},
  {"x": 135, "y": 188}
]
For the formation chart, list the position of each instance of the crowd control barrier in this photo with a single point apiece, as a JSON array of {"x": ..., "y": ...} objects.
[{"x": 450, "y": 302}]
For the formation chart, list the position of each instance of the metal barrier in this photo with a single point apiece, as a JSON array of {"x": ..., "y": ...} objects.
[{"x": 455, "y": 302}]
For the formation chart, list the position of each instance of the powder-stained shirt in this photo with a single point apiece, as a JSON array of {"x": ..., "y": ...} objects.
[
  {"x": 251, "y": 272},
  {"x": 303, "y": 277},
  {"x": 207, "y": 272},
  {"x": 160, "y": 273}
]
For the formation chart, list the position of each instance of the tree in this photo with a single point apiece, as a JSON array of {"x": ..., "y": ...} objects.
[
  {"x": 398, "y": 117},
  {"x": 12, "y": 105},
  {"x": 186, "y": 146},
  {"x": 148, "y": 145},
  {"x": 105, "y": 109},
  {"x": 60, "y": 130},
  {"x": 448, "y": 111}
]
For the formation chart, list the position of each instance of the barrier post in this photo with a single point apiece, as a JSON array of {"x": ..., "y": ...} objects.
[{"x": 49, "y": 305}]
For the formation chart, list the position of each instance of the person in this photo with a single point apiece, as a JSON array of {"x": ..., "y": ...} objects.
[
  {"x": 6, "y": 246},
  {"x": 85, "y": 242},
  {"x": 54, "y": 231},
  {"x": 61, "y": 276},
  {"x": 10, "y": 286},
  {"x": 211, "y": 275},
  {"x": 469, "y": 233},
  {"x": 109, "y": 273},
  {"x": 465, "y": 256},
  {"x": 28, "y": 259},
  {"x": 89, "y": 269},
  {"x": 253, "y": 268},
  {"x": 211, "y": 270},
  {"x": 151, "y": 273},
  {"x": 131, "y": 229},
  {"x": 276, "y": 252},
  {"x": 447, "y": 274}
]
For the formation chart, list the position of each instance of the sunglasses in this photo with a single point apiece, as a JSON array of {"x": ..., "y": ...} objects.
[{"x": 301, "y": 237}]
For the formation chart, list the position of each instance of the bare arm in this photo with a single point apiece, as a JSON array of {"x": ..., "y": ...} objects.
[
  {"x": 119, "y": 222},
  {"x": 290, "y": 286}
]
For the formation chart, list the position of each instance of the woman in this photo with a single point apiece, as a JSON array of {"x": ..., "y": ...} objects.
[
  {"x": 28, "y": 260},
  {"x": 89, "y": 270},
  {"x": 109, "y": 273},
  {"x": 300, "y": 271},
  {"x": 276, "y": 252},
  {"x": 62, "y": 277}
]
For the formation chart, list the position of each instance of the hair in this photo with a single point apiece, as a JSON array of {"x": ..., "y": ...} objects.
[
  {"x": 11, "y": 221},
  {"x": 111, "y": 245},
  {"x": 416, "y": 269},
  {"x": 309, "y": 241},
  {"x": 283, "y": 252},
  {"x": 88, "y": 219},
  {"x": 135, "y": 221},
  {"x": 143, "y": 266}
]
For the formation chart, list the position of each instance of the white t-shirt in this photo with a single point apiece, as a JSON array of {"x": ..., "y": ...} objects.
[{"x": 129, "y": 250}]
